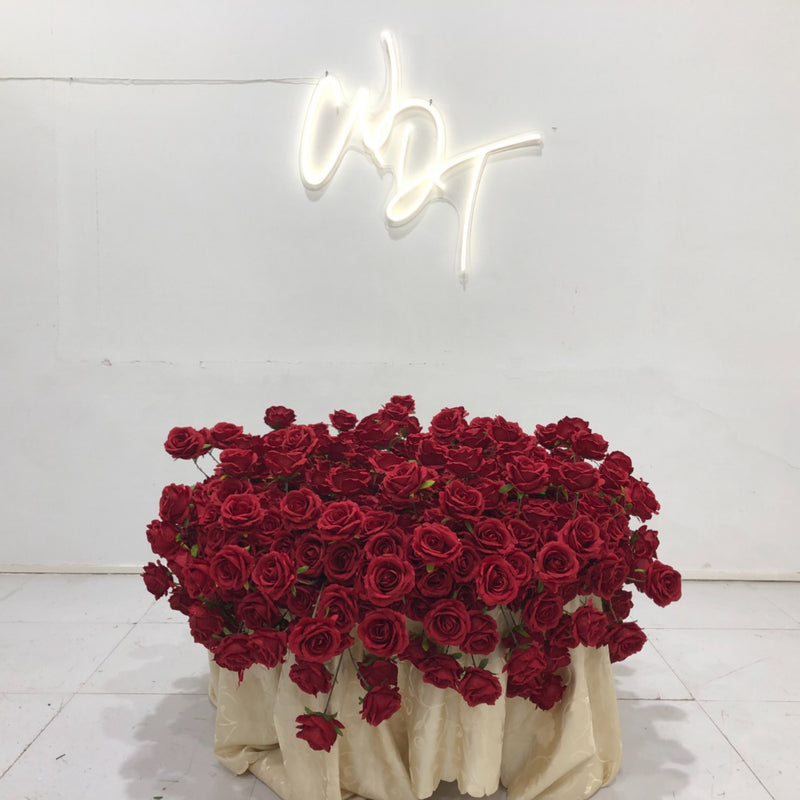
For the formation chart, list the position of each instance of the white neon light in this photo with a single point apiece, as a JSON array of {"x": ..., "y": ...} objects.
[{"x": 372, "y": 130}]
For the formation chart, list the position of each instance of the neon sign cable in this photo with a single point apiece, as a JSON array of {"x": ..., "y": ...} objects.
[{"x": 373, "y": 130}]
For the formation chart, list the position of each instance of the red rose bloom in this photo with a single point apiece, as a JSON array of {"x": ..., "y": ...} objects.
[
  {"x": 583, "y": 536},
  {"x": 624, "y": 640},
  {"x": 380, "y": 672},
  {"x": 556, "y": 564},
  {"x": 231, "y": 566},
  {"x": 589, "y": 445},
  {"x": 233, "y": 653},
  {"x": 241, "y": 512},
  {"x": 186, "y": 443},
  {"x": 482, "y": 637},
  {"x": 273, "y": 574},
  {"x": 319, "y": 730},
  {"x": 386, "y": 579},
  {"x": 339, "y": 603},
  {"x": 315, "y": 639},
  {"x": 225, "y": 434},
  {"x": 380, "y": 703},
  {"x": 343, "y": 420},
  {"x": 311, "y": 677},
  {"x": 267, "y": 647},
  {"x": 662, "y": 584},
  {"x": 435, "y": 544},
  {"x": 543, "y": 612},
  {"x": 641, "y": 497},
  {"x": 279, "y": 417},
  {"x": 449, "y": 423},
  {"x": 447, "y": 622},
  {"x": 461, "y": 501},
  {"x": 157, "y": 579},
  {"x": 576, "y": 476},
  {"x": 300, "y": 508},
  {"x": 479, "y": 686},
  {"x": 401, "y": 483},
  {"x": 174, "y": 505},
  {"x": 492, "y": 536},
  {"x": 341, "y": 519},
  {"x": 440, "y": 670},
  {"x": 383, "y": 632},
  {"x": 590, "y": 625},
  {"x": 496, "y": 581},
  {"x": 527, "y": 475}
]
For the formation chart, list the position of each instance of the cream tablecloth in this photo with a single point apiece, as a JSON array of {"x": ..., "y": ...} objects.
[{"x": 566, "y": 753}]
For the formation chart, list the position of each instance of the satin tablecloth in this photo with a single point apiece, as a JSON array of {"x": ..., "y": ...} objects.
[{"x": 566, "y": 753}]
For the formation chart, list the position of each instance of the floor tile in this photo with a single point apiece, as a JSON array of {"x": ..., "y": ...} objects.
[
  {"x": 672, "y": 750},
  {"x": 733, "y": 664},
  {"x": 154, "y": 658},
  {"x": 766, "y": 735},
  {"x": 785, "y": 595},
  {"x": 77, "y": 598},
  {"x": 53, "y": 656},
  {"x": 128, "y": 747},
  {"x": 22, "y": 717},
  {"x": 10, "y": 583},
  {"x": 646, "y": 676},
  {"x": 718, "y": 604},
  {"x": 160, "y": 611}
]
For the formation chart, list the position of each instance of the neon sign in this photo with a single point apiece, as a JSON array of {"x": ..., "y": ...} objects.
[{"x": 388, "y": 134}]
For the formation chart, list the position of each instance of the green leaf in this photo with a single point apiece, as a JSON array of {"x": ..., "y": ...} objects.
[
  {"x": 304, "y": 568},
  {"x": 194, "y": 551},
  {"x": 483, "y": 663},
  {"x": 429, "y": 568},
  {"x": 427, "y": 484},
  {"x": 506, "y": 488},
  {"x": 468, "y": 526}
]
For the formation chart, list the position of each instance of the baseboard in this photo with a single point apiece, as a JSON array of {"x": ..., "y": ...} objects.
[{"x": 135, "y": 569}]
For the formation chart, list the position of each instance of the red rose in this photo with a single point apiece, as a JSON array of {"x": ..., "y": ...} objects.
[
  {"x": 279, "y": 417},
  {"x": 548, "y": 692},
  {"x": 309, "y": 553},
  {"x": 236, "y": 462},
  {"x": 522, "y": 564},
  {"x": 225, "y": 434},
  {"x": 624, "y": 640},
  {"x": 315, "y": 639},
  {"x": 428, "y": 451},
  {"x": 447, "y": 623},
  {"x": 380, "y": 703},
  {"x": 662, "y": 584},
  {"x": 241, "y": 512},
  {"x": 483, "y": 637},
  {"x": 231, "y": 567},
  {"x": 300, "y": 508},
  {"x": 641, "y": 497},
  {"x": 496, "y": 581},
  {"x": 492, "y": 536},
  {"x": 616, "y": 469},
  {"x": 267, "y": 647},
  {"x": 341, "y": 519},
  {"x": 233, "y": 653},
  {"x": 339, "y": 603},
  {"x": 437, "y": 583},
  {"x": 448, "y": 423},
  {"x": 163, "y": 538},
  {"x": 542, "y": 612},
  {"x": 197, "y": 580},
  {"x": 273, "y": 574},
  {"x": 464, "y": 461},
  {"x": 465, "y": 565},
  {"x": 386, "y": 579},
  {"x": 400, "y": 484},
  {"x": 621, "y": 603},
  {"x": 186, "y": 443},
  {"x": 479, "y": 686},
  {"x": 589, "y": 445},
  {"x": 607, "y": 575},
  {"x": 383, "y": 632},
  {"x": 503, "y": 431},
  {"x": 461, "y": 501},
  {"x": 257, "y": 611},
  {"x": 206, "y": 626},
  {"x": 379, "y": 522},
  {"x": 380, "y": 672},
  {"x": 349, "y": 481},
  {"x": 525, "y": 670},
  {"x": 576, "y": 476},
  {"x": 435, "y": 544},
  {"x": 406, "y": 401},
  {"x": 644, "y": 542},
  {"x": 440, "y": 670},
  {"x": 319, "y": 730},
  {"x": 157, "y": 579},
  {"x": 342, "y": 559},
  {"x": 343, "y": 420},
  {"x": 547, "y": 435},
  {"x": 174, "y": 504},
  {"x": 582, "y": 535},
  {"x": 311, "y": 677},
  {"x": 301, "y": 599},
  {"x": 556, "y": 564},
  {"x": 527, "y": 475},
  {"x": 590, "y": 625}
]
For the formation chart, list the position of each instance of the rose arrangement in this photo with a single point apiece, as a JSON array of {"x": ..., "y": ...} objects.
[{"x": 418, "y": 542}]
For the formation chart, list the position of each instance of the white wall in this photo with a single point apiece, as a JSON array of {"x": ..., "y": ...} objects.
[{"x": 162, "y": 264}]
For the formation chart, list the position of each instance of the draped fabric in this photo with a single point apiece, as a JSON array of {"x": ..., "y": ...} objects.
[{"x": 566, "y": 753}]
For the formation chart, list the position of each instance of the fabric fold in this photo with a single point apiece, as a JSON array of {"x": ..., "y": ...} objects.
[{"x": 565, "y": 753}]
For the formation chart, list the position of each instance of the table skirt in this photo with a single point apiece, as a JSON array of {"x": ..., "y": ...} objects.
[{"x": 566, "y": 753}]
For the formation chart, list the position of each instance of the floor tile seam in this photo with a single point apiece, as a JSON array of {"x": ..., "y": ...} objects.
[
  {"x": 672, "y": 669},
  {"x": 782, "y": 610},
  {"x": 735, "y": 749},
  {"x": 39, "y": 733},
  {"x": 131, "y": 629}
]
